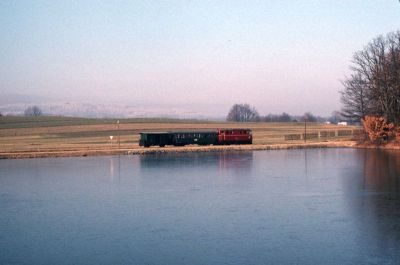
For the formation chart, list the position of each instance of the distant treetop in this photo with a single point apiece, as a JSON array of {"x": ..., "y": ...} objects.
[
  {"x": 33, "y": 111},
  {"x": 242, "y": 113}
]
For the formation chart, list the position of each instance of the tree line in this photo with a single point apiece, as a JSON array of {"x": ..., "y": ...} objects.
[
  {"x": 373, "y": 87},
  {"x": 246, "y": 113},
  {"x": 31, "y": 111}
]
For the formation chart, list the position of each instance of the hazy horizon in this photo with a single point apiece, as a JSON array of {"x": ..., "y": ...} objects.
[{"x": 278, "y": 56}]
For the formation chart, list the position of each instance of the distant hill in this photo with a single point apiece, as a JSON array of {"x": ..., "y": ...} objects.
[{"x": 114, "y": 110}]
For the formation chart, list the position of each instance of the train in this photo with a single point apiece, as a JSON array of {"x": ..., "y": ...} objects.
[{"x": 210, "y": 137}]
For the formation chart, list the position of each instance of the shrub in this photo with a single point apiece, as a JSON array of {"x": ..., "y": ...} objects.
[{"x": 378, "y": 129}]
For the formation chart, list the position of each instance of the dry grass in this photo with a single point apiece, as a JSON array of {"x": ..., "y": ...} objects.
[{"x": 58, "y": 134}]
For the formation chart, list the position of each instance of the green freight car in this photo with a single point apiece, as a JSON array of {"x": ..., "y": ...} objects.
[{"x": 178, "y": 138}]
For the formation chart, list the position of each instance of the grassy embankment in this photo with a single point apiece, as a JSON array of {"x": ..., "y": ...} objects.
[{"x": 65, "y": 136}]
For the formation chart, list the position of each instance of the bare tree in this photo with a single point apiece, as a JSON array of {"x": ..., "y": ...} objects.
[
  {"x": 284, "y": 117},
  {"x": 309, "y": 117},
  {"x": 336, "y": 117},
  {"x": 356, "y": 98},
  {"x": 374, "y": 86},
  {"x": 242, "y": 113},
  {"x": 33, "y": 111}
]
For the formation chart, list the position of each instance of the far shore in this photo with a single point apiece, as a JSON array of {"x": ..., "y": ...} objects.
[
  {"x": 185, "y": 149},
  {"x": 35, "y": 137}
]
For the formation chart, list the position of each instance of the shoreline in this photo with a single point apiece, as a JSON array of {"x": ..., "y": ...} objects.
[{"x": 185, "y": 149}]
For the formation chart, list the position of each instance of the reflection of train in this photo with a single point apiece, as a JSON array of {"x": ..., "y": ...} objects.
[{"x": 181, "y": 138}]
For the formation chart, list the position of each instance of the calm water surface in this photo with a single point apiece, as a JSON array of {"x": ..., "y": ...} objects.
[{"x": 327, "y": 206}]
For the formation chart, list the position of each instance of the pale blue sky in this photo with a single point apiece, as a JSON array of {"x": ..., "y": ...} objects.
[{"x": 276, "y": 55}]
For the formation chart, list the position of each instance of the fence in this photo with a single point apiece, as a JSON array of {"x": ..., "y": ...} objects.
[{"x": 324, "y": 135}]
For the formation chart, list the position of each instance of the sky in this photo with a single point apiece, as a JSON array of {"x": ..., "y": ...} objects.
[{"x": 278, "y": 56}]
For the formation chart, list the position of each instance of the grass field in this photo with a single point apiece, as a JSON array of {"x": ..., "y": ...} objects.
[{"x": 48, "y": 134}]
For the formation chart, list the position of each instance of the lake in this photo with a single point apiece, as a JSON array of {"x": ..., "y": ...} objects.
[{"x": 317, "y": 206}]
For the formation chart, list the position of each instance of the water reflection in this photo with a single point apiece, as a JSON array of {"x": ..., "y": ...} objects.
[
  {"x": 242, "y": 161},
  {"x": 112, "y": 169},
  {"x": 373, "y": 198},
  {"x": 198, "y": 171},
  {"x": 382, "y": 170},
  {"x": 115, "y": 165}
]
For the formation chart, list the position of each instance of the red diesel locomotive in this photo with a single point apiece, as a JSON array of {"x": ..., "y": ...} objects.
[{"x": 234, "y": 136}]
